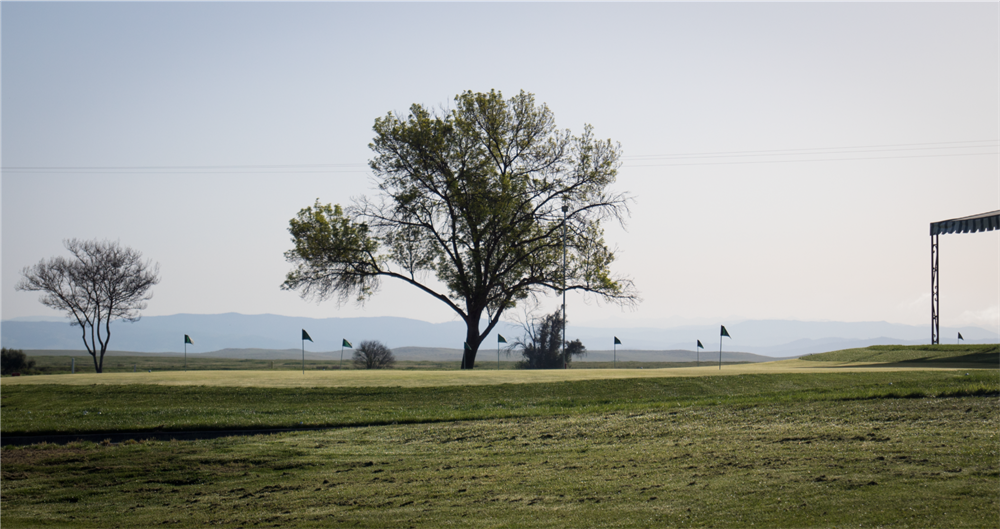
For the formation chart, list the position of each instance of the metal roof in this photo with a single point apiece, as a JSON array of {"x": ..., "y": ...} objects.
[{"x": 982, "y": 222}]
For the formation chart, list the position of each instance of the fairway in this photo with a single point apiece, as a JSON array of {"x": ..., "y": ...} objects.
[
  {"x": 477, "y": 377},
  {"x": 795, "y": 443}
]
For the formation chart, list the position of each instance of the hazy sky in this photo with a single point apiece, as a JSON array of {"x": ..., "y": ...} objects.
[{"x": 785, "y": 159}]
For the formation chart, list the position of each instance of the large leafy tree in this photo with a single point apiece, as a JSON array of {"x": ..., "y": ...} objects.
[{"x": 480, "y": 197}]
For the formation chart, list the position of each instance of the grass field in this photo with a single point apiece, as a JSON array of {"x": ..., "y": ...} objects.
[
  {"x": 50, "y": 364},
  {"x": 826, "y": 446},
  {"x": 986, "y": 354}
]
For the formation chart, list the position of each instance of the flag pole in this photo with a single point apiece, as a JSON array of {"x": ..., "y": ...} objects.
[
  {"x": 185, "y": 355},
  {"x": 303, "y": 356},
  {"x": 697, "y": 353},
  {"x": 720, "y": 351},
  {"x": 341, "y": 355}
]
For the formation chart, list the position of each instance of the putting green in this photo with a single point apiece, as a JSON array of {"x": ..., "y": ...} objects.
[{"x": 478, "y": 377}]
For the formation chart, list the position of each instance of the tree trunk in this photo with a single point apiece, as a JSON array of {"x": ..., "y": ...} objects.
[{"x": 473, "y": 339}]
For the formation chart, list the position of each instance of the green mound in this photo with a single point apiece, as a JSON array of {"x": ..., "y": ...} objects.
[{"x": 984, "y": 354}]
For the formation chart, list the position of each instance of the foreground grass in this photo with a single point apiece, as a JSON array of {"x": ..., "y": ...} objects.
[
  {"x": 33, "y": 409},
  {"x": 770, "y": 462}
]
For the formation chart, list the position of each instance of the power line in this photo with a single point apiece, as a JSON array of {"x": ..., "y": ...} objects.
[
  {"x": 816, "y": 160},
  {"x": 810, "y": 152},
  {"x": 783, "y": 156},
  {"x": 939, "y": 145}
]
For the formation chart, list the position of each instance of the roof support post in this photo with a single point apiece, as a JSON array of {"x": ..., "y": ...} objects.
[{"x": 935, "y": 294}]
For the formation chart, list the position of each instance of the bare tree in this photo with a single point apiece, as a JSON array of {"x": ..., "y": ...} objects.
[
  {"x": 373, "y": 355},
  {"x": 104, "y": 281}
]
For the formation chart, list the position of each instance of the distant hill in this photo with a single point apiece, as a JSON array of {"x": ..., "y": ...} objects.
[{"x": 218, "y": 332}]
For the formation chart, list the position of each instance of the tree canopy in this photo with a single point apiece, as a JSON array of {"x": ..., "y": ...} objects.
[
  {"x": 479, "y": 197},
  {"x": 104, "y": 281}
]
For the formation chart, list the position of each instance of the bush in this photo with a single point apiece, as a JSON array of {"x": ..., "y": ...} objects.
[
  {"x": 373, "y": 355},
  {"x": 542, "y": 346},
  {"x": 14, "y": 361}
]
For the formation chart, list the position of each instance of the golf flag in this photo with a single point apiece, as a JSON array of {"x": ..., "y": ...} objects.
[
  {"x": 187, "y": 339},
  {"x": 699, "y": 345},
  {"x": 305, "y": 335},
  {"x": 960, "y": 336},
  {"x": 343, "y": 344},
  {"x": 617, "y": 341},
  {"x": 501, "y": 339},
  {"x": 725, "y": 332}
]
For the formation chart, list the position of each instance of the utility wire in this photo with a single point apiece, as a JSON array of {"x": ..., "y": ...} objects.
[
  {"x": 781, "y": 155},
  {"x": 815, "y": 160},
  {"x": 801, "y": 152}
]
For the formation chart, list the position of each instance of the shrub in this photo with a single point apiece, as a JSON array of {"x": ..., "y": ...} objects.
[
  {"x": 373, "y": 355},
  {"x": 541, "y": 348},
  {"x": 14, "y": 360}
]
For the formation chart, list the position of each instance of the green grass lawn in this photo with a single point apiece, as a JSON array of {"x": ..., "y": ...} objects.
[
  {"x": 41, "y": 409},
  {"x": 986, "y": 355},
  {"x": 61, "y": 364},
  {"x": 876, "y": 448}
]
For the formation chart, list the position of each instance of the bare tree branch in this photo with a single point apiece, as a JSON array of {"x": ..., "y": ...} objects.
[{"x": 103, "y": 282}]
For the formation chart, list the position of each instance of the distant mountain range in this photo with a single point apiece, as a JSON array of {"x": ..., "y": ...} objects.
[{"x": 216, "y": 332}]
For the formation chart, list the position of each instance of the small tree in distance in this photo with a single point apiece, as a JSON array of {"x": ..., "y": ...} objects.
[
  {"x": 14, "y": 361},
  {"x": 541, "y": 347},
  {"x": 373, "y": 354},
  {"x": 102, "y": 282}
]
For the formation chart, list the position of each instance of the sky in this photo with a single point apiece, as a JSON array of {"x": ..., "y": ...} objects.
[{"x": 785, "y": 159}]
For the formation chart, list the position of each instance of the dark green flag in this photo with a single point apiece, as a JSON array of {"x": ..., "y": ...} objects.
[
  {"x": 960, "y": 336},
  {"x": 187, "y": 339},
  {"x": 347, "y": 344},
  {"x": 725, "y": 332},
  {"x": 305, "y": 335},
  {"x": 501, "y": 339},
  {"x": 699, "y": 345},
  {"x": 617, "y": 341}
]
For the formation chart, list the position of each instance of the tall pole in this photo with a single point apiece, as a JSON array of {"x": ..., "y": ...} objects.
[
  {"x": 935, "y": 291},
  {"x": 303, "y": 356},
  {"x": 185, "y": 355},
  {"x": 341, "y": 355},
  {"x": 720, "y": 351},
  {"x": 565, "y": 208}
]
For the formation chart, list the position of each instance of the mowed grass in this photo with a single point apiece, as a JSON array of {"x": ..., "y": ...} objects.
[
  {"x": 793, "y": 446},
  {"x": 32, "y": 409},
  {"x": 876, "y": 462},
  {"x": 124, "y": 363},
  {"x": 984, "y": 355}
]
